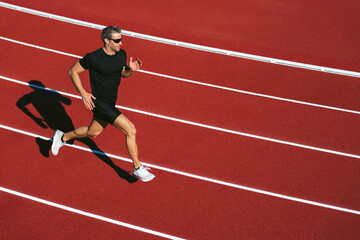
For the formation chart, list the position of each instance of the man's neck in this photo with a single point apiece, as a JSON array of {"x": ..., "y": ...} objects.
[{"x": 108, "y": 51}]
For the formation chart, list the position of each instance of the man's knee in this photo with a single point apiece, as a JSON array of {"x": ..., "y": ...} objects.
[
  {"x": 125, "y": 125},
  {"x": 132, "y": 131},
  {"x": 93, "y": 134},
  {"x": 96, "y": 127}
]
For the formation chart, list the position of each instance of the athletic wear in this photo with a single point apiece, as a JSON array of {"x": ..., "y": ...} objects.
[
  {"x": 143, "y": 174},
  {"x": 105, "y": 73},
  {"x": 105, "y": 111},
  {"x": 57, "y": 142},
  {"x": 105, "y": 76}
]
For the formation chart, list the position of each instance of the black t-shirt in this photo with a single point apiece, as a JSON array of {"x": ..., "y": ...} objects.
[{"x": 105, "y": 73}]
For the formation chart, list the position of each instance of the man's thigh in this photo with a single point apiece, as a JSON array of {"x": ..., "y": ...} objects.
[
  {"x": 124, "y": 124},
  {"x": 97, "y": 126}
]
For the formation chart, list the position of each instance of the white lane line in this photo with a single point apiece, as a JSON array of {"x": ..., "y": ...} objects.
[
  {"x": 206, "y": 179},
  {"x": 91, "y": 215},
  {"x": 197, "y": 83},
  {"x": 186, "y": 45},
  {"x": 201, "y": 125},
  {"x": 253, "y": 94},
  {"x": 39, "y": 47}
]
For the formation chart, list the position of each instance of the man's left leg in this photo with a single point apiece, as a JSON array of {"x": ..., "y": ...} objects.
[
  {"x": 59, "y": 138},
  {"x": 128, "y": 128}
]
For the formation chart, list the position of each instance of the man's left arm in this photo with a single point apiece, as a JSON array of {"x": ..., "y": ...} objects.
[{"x": 133, "y": 66}]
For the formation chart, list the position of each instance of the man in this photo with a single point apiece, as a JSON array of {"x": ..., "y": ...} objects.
[{"x": 106, "y": 67}]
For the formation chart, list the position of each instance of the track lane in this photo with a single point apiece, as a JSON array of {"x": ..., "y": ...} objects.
[
  {"x": 298, "y": 84},
  {"x": 24, "y": 218},
  {"x": 304, "y": 32},
  {"x": 289, "y": 170},
  {"x": 80, "y": 180},
  {"x": 255, "y": 115}
]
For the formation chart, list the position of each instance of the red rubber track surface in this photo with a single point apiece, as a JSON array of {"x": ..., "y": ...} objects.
[
  {"x": 322, "y": 32},
  {"x": 181, "y": 206},
  {"x": 287, "y": 82},
  {"x": 171, "y": 203},
  {"x": 24, "y": 219},
  {"x": 303, "y": 124},
  {"x": 214, "y": 150}
]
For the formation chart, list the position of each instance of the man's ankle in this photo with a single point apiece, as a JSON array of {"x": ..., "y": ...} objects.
[{"x": 136, "y": 168}]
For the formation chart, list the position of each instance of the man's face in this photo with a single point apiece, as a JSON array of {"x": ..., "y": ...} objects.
[{"x": 112, "y": 42}]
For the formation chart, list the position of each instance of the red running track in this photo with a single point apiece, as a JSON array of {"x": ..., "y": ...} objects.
[
  {"x": 321, "y": 33},
  {"x": 298, "y": 84},
  {"x": 285, "y": 169},
  {"x": 24, "y": 219},
  {"x": 302, "y": 124},
  {"x": 292, "y": 171},
  {"x": 172, "y": 204}
]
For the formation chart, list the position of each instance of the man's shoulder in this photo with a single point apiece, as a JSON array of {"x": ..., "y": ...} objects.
[
  {"x": 90, "y": 58},
  {"x": 98, "y": 51}
]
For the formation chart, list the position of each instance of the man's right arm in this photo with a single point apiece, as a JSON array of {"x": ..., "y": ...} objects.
[{"x": 74, "y": 72}]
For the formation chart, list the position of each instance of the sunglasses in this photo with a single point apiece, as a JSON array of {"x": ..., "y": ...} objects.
[{"x": 116, "y": 40}]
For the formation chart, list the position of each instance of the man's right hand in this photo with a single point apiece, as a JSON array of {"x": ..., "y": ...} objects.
[{"x": 88, "y": 100}]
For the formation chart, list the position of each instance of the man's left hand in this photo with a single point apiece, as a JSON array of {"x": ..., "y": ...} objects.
[{"x": 135, "y": 65}]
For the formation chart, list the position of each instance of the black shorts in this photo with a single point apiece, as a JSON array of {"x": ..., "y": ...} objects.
[{"x": 105, "y": 111}]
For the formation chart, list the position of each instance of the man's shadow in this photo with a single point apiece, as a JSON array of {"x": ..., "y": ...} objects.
[{"x": 48, "y": 104}]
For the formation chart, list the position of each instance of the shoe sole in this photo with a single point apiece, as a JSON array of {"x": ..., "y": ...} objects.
[{"x": 52, "y": 145}]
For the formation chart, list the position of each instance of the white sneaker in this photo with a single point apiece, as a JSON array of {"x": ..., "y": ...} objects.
[
  {"x": 143, "y": 174},
  {"x": 57, "y": 143}
]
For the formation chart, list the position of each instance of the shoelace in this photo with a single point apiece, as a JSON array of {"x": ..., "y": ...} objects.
[{"x": 146, "y": 167}]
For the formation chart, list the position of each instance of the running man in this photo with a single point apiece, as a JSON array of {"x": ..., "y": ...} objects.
[{"x": 106, "y": 66}]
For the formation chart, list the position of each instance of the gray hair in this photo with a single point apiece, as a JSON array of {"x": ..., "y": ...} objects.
[{"x": 106, "y": 32}]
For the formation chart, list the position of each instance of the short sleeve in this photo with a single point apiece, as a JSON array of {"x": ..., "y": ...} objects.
[
  {"x": 125, "y": 56},
  {"x": 85, "y": 61}
]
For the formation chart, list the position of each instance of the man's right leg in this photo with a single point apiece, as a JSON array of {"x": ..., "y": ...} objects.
[
  {"x": 94, "y": 130},
  {"x": 123, "y": 123}
]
